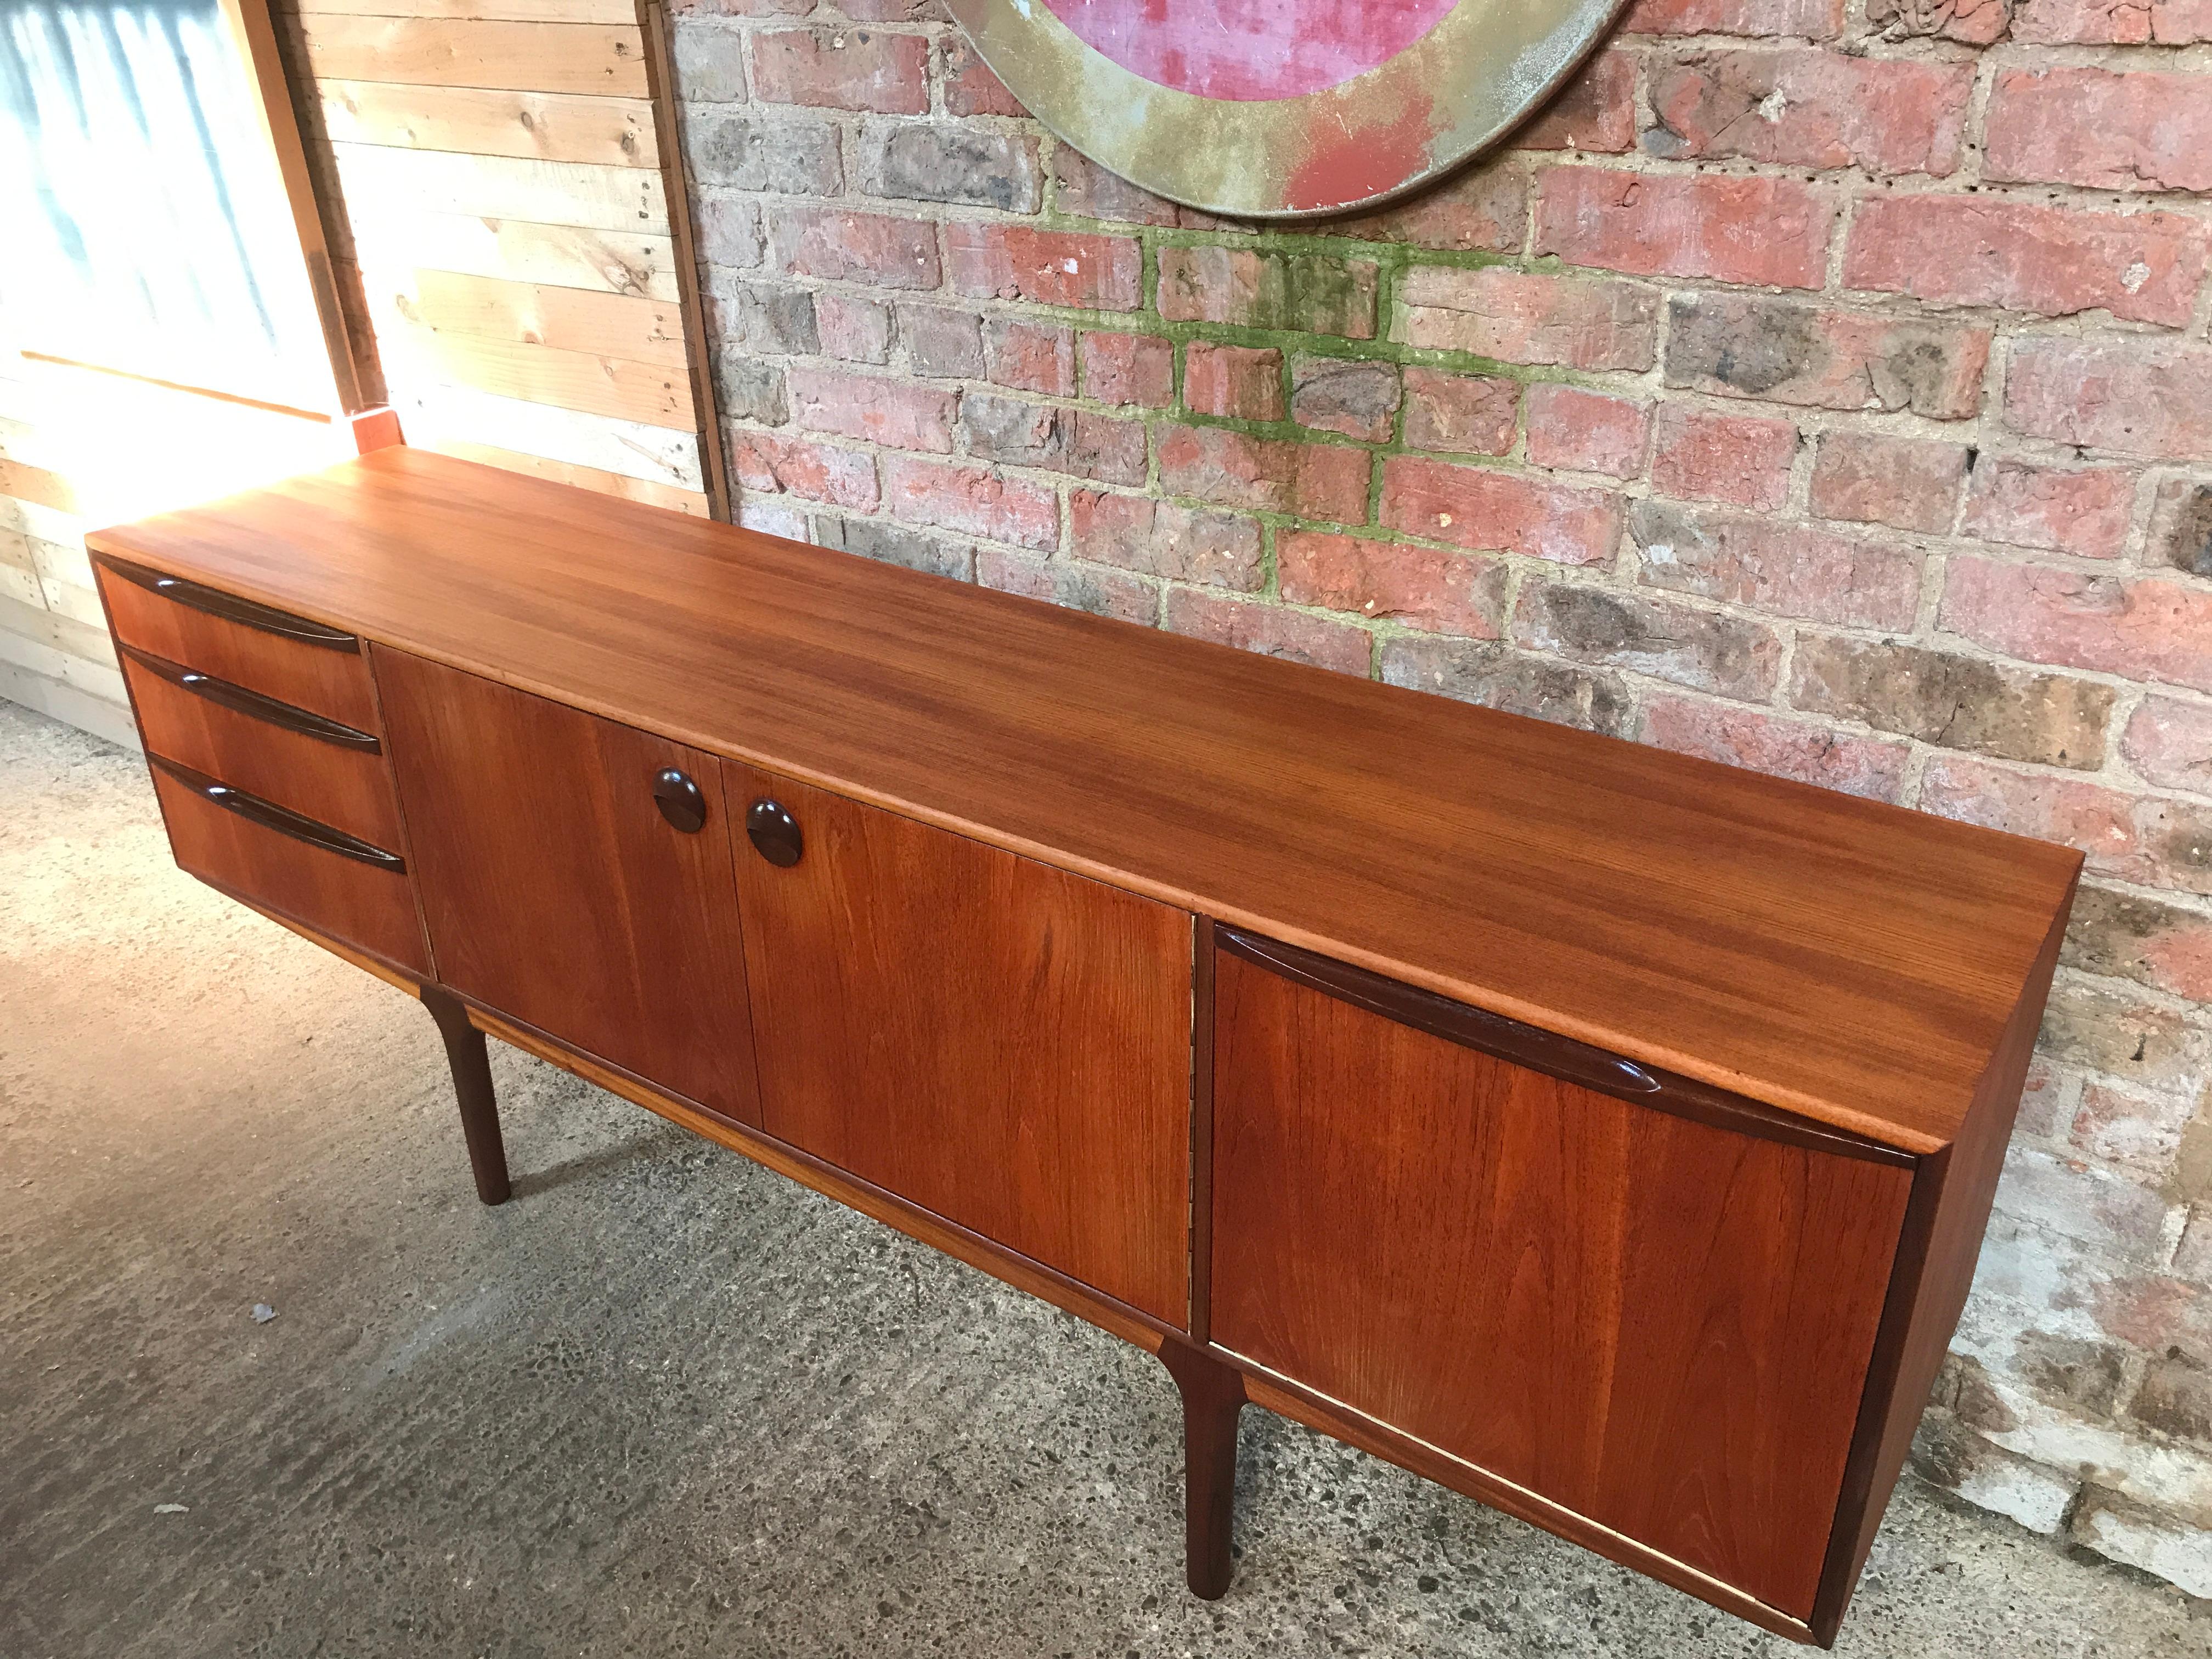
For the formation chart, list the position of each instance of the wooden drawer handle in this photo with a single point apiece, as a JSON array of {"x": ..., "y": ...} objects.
[
  {"x": 253, "y": 702},
  {"x": 775, "y": 833},
  {"x": 282, "y": 819},
  {"x": 679, "y": 800},
  {"x": 231, "y": 608}
]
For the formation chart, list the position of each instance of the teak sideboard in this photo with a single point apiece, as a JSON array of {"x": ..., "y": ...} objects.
[{"x": 1605, "y": 1134}]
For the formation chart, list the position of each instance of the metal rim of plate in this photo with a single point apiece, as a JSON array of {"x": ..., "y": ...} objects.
[{"x": 1362, "y": 143}]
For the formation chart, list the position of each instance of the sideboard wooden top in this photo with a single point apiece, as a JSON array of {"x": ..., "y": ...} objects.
[{"x": 1851, "y": 961}]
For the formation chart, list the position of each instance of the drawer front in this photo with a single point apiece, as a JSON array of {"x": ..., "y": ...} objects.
[
  {"x": 1660, "y": 1323},
  {"x": 295, "y": 661},
  {"x": 358, "y": 895},
  {"x": 316, "y": 766}
]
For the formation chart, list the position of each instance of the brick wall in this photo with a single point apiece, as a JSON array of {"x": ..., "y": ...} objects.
[{"x": 1819, "y": 386}]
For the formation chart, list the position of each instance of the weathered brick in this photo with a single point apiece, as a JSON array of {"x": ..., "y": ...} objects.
[
  {"x": 1786, "y": 351},
  {"x": 2127, "y": 936},
  {"x": 2157, "y": 843},
  {"x": 773, "y": 518},
  {"x": 970, "y": 88},
  {"x": 1481, "y": 210},
  {"x": 763, "y": 317},
  {"x": 853, "y": 327},
  {"x": 1315, "y": 294},
  {"x": 2180, "y": 23},
  {"x": 1047, "y": 267},
  {"x": 2181, "y": 527},
  {"x": 1782, "y": 748},
  {"x": 1812, "y": 109},
  {"x": 887, "y": 411},
  {"x": 776, "y": 463},
  {"x": 2043, "y": 1100},
  {"x": 1128, "y": 368},
  {"x": 1422, "y": 587},
  {"x": 1497, "y": 676},
  {"x": 709, "y": 64},
  {"x": 1976, "y": 23},
  {"x": 756, "y": 152},
  {"x": 1159, "y": 538},
  {"x": 1523, "y": 317},
  {"x": 1949, "y": 1454},
  {"x": 2175, "y": 1398},
  {"x": 1816, "y": 19},
  {"x": 2024, "y": 255},
  {"x": 854, "y": 247},
  {"x": 749, "y": 389},
  {"x": 1031, "y": 357},
  {"x": 1269, "y": 629},
  {"x": 1076, "y": 586},
  {"x": 933, "y": 162},
  {"x": 892, "y": 543},
  {"x": 1054, "y": 437},
  {"x": 2080, "y": 22},
  {"x": 728, "y": 228},
  {"x": 1705, "y": 650},
  {"x": 842, "y": 68},
  {"x": 1586, "y": 431},
  {"x": 1871, "y": 478},
  {"x": 1742, "y": 460},
  {"x": 2112, "y": 1215},
  {"x": 973, "y": 500},
  {"x": 1316, "y": 480},
  {"x": 1357, "y": 399},
  {"x": 942, "y": 343},
  {"x": 1762, "y": 229},
  {"x": 1487, "y": 508},
  {"x": 1244, "y": 381},
  {"x": 2122, "y": 1034},
  {"x": 1958, "y": 701},
  {"x": 2082, "y": 510},
  {"x": 1818, "y": 574},
  {"x": 2169, "y": 743},
  {"x": 2155, "y": 629},
  {"x": 1595, "y": 111},
  {"x": 2093, "y": 127},
  {"x": 1085, "y": 189},
  {"x": 1459, "y": 414}
]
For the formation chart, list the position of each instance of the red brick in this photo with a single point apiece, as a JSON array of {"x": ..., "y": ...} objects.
[
  {"x": 842, "y": 68},
  {"x": 767, "y": 463},
  {"x": 1586, "y": 431},
  {"x": 1052, "y": 437},
  {"x": 1128, "y": 368},
  {"x": 1215, "y": 464},
  {"x": 1976, "y": 23},
  {"x": 1086, "y": 190},
  {"x": 1812, "y": 109},
  {"x": 1459, "y": 414},
  {"x": 1232, "y": 380},
  {"x": 2180, "y": 23},
  {"x": 1524, "y": 316},
  {"x": 1763, "y": 229},
  {"x": 2081, "y": 22},
  {"x": 1077, "y": 586},
  {"x": 1424, "y": 588},
  {"x": 1853, "y": 581},
  {"x": 1781, "y": 747},
  {"x": 2151, "y": 629},
  {"x": 1785, "y": 351},
  {"x": 972, "y": 500},
  {"x": 1870, "y": 478},
  {"x": 1706, "y": 650},
  {"x": 1595, "y": 111},
  {"x": 1270, "y": 630},
  {"x": 1481, "y": 209},
  {"x": 2153, "y": 841},
  {"x": 2080, "y": 510},
  {"x": 1485, "y": 507},
  {"x": 1031, "y": 357},
  {"x": 1047, "y": 267},
  {"x": 2137, "y": 396},
  {"x": 1979, "y": 251},
  {"x": 888, "y": 411},
  {"x": 2169, "y": 743},
  {"x": 854, "y": 247},
  {"x": 970, "y": 88},
  {"x": 2090, "y": 126},
  {"x": 1182, "y": 544},
  {"x": 1815, "y": 20},
  {"x": 1314, "y": 294},
  {"x": 855, "y": 329},
  {"x": 1742, "y": 460},
  {"x": 1357, "y": 397},
  {"x": 2154, "y": 942}
]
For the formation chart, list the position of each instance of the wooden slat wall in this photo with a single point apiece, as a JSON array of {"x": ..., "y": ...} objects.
[{"x": 499, "y": 166}]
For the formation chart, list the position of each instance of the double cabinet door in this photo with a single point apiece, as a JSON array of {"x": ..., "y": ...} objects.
[{"x": 1002, "y": 1043}]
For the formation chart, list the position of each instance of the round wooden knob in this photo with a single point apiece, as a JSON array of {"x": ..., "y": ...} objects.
[
  {"x": 679, "y": 800},
  {"x": 774, "y": 833}
]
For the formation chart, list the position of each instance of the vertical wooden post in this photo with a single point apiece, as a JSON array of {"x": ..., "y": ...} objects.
[
  {"x": 464, "y": 1053},
  {"x": 1212, "y": 1401}
]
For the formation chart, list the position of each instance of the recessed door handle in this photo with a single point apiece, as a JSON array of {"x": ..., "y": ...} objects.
[
  {"x": 679, "y": 800},
  {"x": 774, "y": 833}
]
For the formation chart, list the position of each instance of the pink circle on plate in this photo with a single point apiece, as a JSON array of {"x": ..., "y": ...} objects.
[{"x": 1249, "y": 50}]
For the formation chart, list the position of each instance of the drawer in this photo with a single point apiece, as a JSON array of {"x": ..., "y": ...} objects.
[
  {"x": 336, "y": 883},
  {"x": 306, "y": 664},
  {"x": 315, "y": 766}
]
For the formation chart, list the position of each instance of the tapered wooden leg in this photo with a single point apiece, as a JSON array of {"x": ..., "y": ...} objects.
[
  {"x": 465, "y": 1052},
  {"x": 1212, "y": 1401}
]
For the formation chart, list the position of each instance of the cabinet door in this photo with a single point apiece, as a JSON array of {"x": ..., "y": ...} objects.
[
  {"x": 555, "y": 888},
  {"x": 1660, "y": 1323},
  {"x": 999, "y": 1042}
]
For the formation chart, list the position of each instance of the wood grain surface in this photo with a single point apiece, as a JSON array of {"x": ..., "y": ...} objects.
[
  {"x": 999, "y": 1042},
  {"x": 1852, "y": 961},
  {"x": 1659, "y": 1324},
  {"x": 529, "y": 57},
  {"x": 549, "y": 126}
]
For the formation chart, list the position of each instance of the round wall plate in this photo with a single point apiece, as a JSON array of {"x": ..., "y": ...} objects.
[{"x": 1282, "y": 109}]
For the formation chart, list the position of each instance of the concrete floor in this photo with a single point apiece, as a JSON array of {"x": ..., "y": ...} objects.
[{"x": 664, "y": 1403}]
